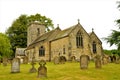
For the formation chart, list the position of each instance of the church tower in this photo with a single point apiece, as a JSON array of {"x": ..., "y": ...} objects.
[{"x": 34, "y": 30}]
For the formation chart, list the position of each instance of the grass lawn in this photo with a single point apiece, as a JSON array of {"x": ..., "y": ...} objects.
[{"x": 67, "y": 71}]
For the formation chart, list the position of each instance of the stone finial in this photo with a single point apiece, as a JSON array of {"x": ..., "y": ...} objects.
[{"x": 78, "y": 21}]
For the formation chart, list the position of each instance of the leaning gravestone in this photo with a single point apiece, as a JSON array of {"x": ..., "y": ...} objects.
[
  {"x": 84, "y": 60},
  {"x": 98, "y": 63},
  {"x": 15, "y": 67},
  {"x": 33, "y": 69},
  {"x": 42, "y": 70},
  {"x": 56, "y": 60},
  {"x": 62, "y": 59}
]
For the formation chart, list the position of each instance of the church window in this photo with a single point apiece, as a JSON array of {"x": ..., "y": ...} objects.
[
  {"x": 42, "y": 51},
  {"x": 79, "y": 40},
  {"x": 94, "y": 47},
  {"x": 63, "y": 49}
]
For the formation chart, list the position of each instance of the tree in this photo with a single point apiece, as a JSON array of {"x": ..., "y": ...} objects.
[
  {"x": 5, "y": 47},
  {"x": 42, "y": 19},
  {"x": 114, "y": 37},
  {"x": 17, "y": 32},
  {"x": 112, "y": 52}
]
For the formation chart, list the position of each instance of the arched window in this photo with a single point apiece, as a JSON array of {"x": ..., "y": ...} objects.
[
  {"x": 64, "y": 49},
  {"x": 79, "y": 40},
  {"x": 42, "y": 51},
  {"x": 94, "y": 47}
]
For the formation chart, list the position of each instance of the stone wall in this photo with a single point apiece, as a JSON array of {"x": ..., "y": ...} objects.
[
  {"x": 98, "y": 45},
  {"x": 57, "y": 47},
  {"x": 77, "y": 52}
]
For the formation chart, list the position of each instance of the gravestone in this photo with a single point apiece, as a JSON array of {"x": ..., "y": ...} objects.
[
  {"x": 114, "y": 58},
  {"x": 117, "y": 60},
  {"x": 98, "y": 63},
  {"x": 33, "y": 69},
  {"x": 56, "y": 60},
  {"x": 62, "y": 59},
  {"x": 42, "y": 70},
  {"x": 73, "y": 58},
  {"x": 4, "y": 61},
  {"x": 25, "y": 60},
  {"x": 15, "y": 67},
  {"x": 105, "y": 60},
  {"x": 111, "y": 58},
  {"x": 84, "y": 60}
]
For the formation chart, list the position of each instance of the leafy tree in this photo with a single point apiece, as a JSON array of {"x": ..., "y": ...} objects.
[
  {"x": 17, "y": 32},
  {"x": 108, "y": 52},
  {"x": 5, "y": 47},
  {"x": 42, "y": 19},
  {"x": 112, "y": 52},
  {"x": 114, "y": 38}
]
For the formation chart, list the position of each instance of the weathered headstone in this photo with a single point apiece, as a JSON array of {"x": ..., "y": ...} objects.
[
  {"x": 25, "y": 60},
  {"x": 117, "y": 60},
  {"x": 114, "y": 58},
  {"x": 84, "y": 60},
  {"x": 15, "y": 67},
  {"x": 62, "y": 59},
  {"x": 4, "y": 61},
  {"x": 111, "y": 58},
  {"x": 42, "y": 70},
  {"x": 105, "y": 60},
  {"x": 73, "y": 58},
  {"x": 56, "y": 60},
  {"x": 98, "y": 63},
  {"x": 33, "y": 69}
]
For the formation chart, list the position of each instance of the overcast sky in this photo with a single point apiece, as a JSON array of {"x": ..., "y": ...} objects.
[{"x": 97, "y": 14}]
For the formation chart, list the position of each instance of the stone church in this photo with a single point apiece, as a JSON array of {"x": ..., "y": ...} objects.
[{"x": 71, "y": 42}]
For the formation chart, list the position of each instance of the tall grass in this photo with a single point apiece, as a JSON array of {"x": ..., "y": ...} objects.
[{"x": 67, "y": 71}]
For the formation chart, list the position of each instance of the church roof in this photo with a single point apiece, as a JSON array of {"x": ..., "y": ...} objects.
[
  {"x": 52, "y": 35},
  {"x": 64, "y": 33},
  {"x": 56, "y": 34}
]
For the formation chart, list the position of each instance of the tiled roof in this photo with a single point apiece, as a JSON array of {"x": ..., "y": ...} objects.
[{"x": 64, "y": 33}]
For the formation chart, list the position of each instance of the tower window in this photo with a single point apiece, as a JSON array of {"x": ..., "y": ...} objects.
[
  {"x": 94, "y": 47},
  {"x": 79, "y": 40},
  {"x": 42, "y": 51}
]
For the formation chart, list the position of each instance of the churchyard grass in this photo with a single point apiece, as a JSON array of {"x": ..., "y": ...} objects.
[{"x": 67, "y": 71}]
